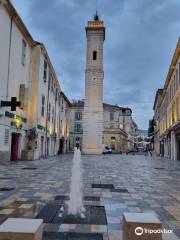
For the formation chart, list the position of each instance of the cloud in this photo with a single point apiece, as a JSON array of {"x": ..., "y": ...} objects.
[{"x": 140, "y": 39}]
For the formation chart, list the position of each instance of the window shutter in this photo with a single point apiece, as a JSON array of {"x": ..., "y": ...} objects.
[{"x": 22, "y": 95}]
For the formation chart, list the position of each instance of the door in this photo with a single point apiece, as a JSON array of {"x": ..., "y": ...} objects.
[
  {"x": 113, "y": 143},
  {"x": 14, "y": 147},
  {"x": 61, "y": 145},
  {"x": 47, "y": 147},
  {"x": 42, "y": 146},
  {"x": 178, "y": 149}
]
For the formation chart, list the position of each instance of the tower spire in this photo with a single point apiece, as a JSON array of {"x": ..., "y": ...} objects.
[{"x": 96, "y": 16}]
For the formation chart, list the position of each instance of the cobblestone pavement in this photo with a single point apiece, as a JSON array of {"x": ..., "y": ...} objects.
[{"x": 140, "y": 184}]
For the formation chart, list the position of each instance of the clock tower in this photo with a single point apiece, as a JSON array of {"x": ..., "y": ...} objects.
[{"x": 94, "y": 75}]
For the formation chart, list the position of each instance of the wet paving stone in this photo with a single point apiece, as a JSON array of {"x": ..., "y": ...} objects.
[
  {"x": 159, "y": 168},
  {"x": 149, "y": 189},
  {"x": 62, "y": 198},
  {"x": 120, "y": 190},
  {"x": 72, "y": 236},
  {"x": 92, "y": 198},
  {"x": 5, "y": 178},
  {"x": 6, "y": 189},
  {"x": 103, "y": 186},
  {"x": 48, "y": 212},
  {"x": 29, "y": 168}
]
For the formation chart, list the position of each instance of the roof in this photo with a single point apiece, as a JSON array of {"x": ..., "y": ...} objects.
[
  {"x": 80, "y": 103},
  {"x": 107, "y": 105},
  {"x": 158, "y": 93},
  {"x": 173, "y": 64},
  {"x": 17, "y": 19},
  {"x": 65, "y": 97},
  {"x": 45, "y": 52}
]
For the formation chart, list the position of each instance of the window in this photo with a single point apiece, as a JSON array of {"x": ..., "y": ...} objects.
[
  {"x": 49, "y": 84},
  {"x": 179, "y": 73},
  {"x": 49, "y": 112},
  {"x": 78, "y": 115},
  {"x": 23, "y": 57},
  {"x": 22, "y": 95},
  {"x": 42, "y": 108},
  {"x": 52, "y": 86},
  {"x": 94, "y": 55},
  {"x": 6, "y": 136},
  {"x": 53, "y": 115},
  {"x": 62, "y": 106},
  {"x": 45, "y": 71},
  {"x": 111, "y": 116},
  {"x": 78, "y": 127},
  {"x": 176, "y": 78}
]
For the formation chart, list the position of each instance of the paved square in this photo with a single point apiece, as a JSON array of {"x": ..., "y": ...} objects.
[{"x": 141, "y": 184}]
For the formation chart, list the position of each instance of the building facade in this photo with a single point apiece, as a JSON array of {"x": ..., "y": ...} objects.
[
  {"x": 167, "y": 112},
  {"x": 15, "y": 79},
  {"x": 115, "y": 125},
  {"x": 39, "y": 128}
]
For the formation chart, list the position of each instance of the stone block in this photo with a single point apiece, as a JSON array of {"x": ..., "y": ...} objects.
[
  {"x": 141, "y": 226},
  {"x": 21, "y": 229}
]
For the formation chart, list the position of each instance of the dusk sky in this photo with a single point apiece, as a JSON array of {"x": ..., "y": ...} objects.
[{"x": 141, "y": 36}]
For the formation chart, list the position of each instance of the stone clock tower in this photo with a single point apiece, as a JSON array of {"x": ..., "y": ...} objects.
[{"x": 94, "y": 75}]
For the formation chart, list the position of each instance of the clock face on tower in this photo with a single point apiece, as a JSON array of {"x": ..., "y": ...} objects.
[{"x": 94, "y": 78}]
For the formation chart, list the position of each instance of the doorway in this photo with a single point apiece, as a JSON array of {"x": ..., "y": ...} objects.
[
  {"x": 113, "y": 143},
  {"x": 61, "y": 145},
  {"x": 47, "y": 150},
  {"x": 42, "y": 146},
  {"x": 178, "y": 147},
  {"x": 15, "y": 146}
]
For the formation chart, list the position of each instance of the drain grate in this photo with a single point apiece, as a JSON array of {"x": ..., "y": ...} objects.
[
  {"x": 48, "y": 212},
  {"x": 6, "y": 189},
  {"x": 72, "y": 236},
  {"x": 29, "y": 168},
  {"x": 103, "y": 186},
  {"x": 120, "y": 190}
]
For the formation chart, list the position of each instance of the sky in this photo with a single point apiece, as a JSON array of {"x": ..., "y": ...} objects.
[{"x": 141, "y": 36}]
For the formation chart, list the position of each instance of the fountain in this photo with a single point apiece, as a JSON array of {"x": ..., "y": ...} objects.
[
  {"x": 75, "y": 204},
  {"x": 68, "y": 211}
]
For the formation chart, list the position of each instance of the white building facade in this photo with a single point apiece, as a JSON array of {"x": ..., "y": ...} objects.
[
  {"x": 39, "y": 128},
  {"x": 167, "y": 112},
  {"x": 15, "y": 79}
]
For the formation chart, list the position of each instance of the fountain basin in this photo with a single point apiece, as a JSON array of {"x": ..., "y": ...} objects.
[{"x": 95, "y": 215}]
